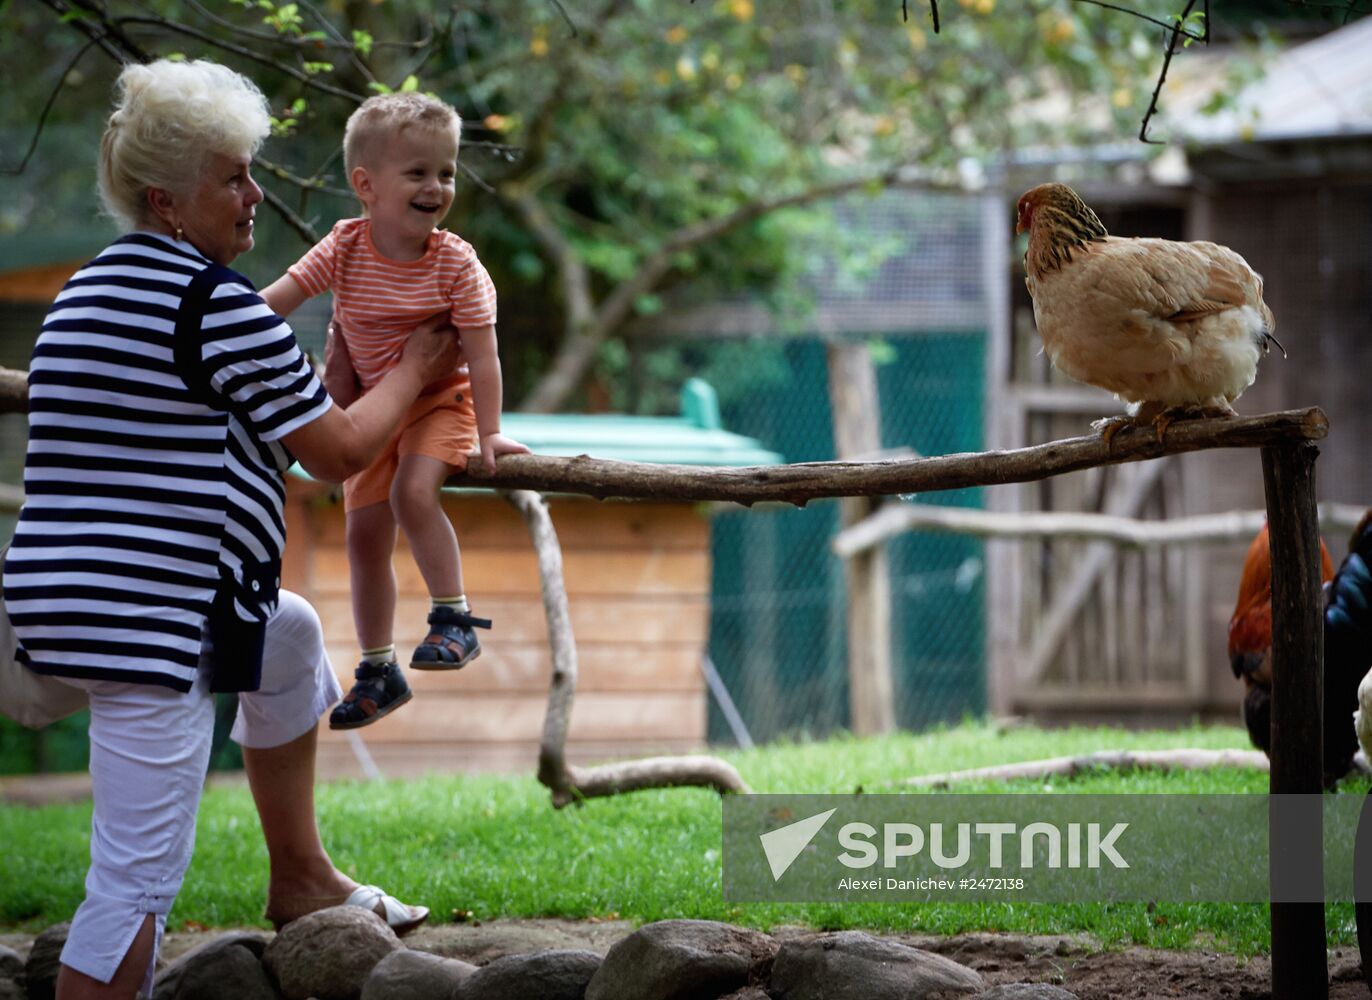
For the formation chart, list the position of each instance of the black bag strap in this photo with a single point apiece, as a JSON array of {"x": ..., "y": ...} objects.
[{"x": 188, "y": 346}]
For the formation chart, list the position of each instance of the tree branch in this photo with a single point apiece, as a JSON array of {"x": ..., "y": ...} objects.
[
  {"x": 802, "y": 482},
  {"x": 541, "y": 118},
  {"x": 572, "y": 784},
  {"x": 1115, "y": 760},
  {"x": 1170, "y": 26},
  {"x": 47, "y": 107},
  {"x": 306, "y": 183},
  {"x": 246, "y": 53},
  {"x": 302, "y": 228},
  {"x": 586, "y": 332},
  {"x": 1176, "y": 34},
  {"x": 579, "y": 311},
  {"x": 108, "y": 32},
  {"x": 894, "y": 519}
]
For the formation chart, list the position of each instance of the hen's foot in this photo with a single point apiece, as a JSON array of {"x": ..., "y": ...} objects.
[
  {"x": 1108, "y": 427},
  {"x": 1172, "y": 414}
]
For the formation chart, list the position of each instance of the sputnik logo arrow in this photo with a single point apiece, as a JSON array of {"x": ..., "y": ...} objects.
[{"x": 784, "y": 845}]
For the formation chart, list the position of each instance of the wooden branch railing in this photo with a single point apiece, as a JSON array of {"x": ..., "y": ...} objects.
[
  {"x": 894, "y": 520},
  {"x": 567, "y": 782},
  {"x": 802, "y": 482}
]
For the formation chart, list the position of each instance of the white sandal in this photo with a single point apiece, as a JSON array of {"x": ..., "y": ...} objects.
[{"x": 399, "y": 916}]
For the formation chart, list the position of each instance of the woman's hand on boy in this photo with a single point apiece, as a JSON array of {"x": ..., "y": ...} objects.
[
  {"x": 497, "y": 444},
  {"x": 433, "y": 346},
  {"x": 340, "y": 379}
]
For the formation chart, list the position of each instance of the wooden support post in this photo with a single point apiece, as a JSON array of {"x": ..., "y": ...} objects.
[
  {"x": 1299, "y": 964},
  {"x": 857, "y": 431}
]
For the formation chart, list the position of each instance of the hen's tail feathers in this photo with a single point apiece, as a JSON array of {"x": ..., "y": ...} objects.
[{"x": 1247, "y": 662}]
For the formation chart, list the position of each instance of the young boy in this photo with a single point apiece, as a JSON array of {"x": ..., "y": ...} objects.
[{"x": 390, "y": 270}]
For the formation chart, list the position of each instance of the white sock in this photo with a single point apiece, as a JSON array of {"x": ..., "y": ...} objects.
[
  {"x": 458, "y": 603},
  {"x": 382, "y": 654}
]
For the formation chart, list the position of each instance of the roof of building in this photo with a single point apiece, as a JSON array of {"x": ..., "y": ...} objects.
[
  {"x": 1319, "y": 89},
  {"x": 694, "y": 438}
]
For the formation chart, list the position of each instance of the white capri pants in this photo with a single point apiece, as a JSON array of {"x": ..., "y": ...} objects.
[{"x": 150, "y": 748}]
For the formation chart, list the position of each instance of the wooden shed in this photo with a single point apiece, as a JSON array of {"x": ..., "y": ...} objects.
[
  {"x": 638, "y": 585},
  {"x": 1086, "y": 630}
]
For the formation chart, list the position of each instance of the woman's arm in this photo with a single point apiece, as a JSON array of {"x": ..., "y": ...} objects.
[
  {"x": 340, "y": 378},
  {"x": 344, "y": 442}
]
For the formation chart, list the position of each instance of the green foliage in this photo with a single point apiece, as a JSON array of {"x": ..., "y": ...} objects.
[
  {"x": 286, "y": 125},
  {"x": 646, "y": 125}
]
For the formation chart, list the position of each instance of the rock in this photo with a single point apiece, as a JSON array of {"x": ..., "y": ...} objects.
[
  {"x": 45, "y": 958},
  {"x": 850, "y": 965},
  {"x": 416, "y": 975},
  {"x": 229, "y": 967},
  {"x": 11, "y": 974},
  {"x": 328, "y": 954},
  {"x": 748, "y": 993},
  {"x": 482, "y": 943},
  {"x": 548, "y": 975},
  {"x": 1025, "y": 991},
  {"x": 11, "y": 963},
  {"x": 681, "y": 960}
]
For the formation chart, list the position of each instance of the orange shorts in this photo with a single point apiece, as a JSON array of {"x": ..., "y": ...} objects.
[{"x": 440, "y": 424}]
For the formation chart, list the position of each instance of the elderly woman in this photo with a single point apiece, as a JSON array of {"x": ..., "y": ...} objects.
[{"x": 165, "y": 402}]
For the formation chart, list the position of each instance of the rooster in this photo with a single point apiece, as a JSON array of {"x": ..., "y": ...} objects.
[
  {"x": 1347, "y": 646},
  {"x": 1172, "y": 329}
]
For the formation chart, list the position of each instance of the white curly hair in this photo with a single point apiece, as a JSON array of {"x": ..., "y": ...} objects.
[{"x": 168, "y": 116}]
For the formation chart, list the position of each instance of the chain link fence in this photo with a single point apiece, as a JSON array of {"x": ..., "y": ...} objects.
[
  {"x": 778, "y": 629},
  {"x": 778, "y": 635}
]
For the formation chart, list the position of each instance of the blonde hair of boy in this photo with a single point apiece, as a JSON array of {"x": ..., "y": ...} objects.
[{"x": 379, "y": 119}]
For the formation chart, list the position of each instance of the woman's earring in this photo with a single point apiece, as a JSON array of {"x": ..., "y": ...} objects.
[{"x": 178, "y": 232}]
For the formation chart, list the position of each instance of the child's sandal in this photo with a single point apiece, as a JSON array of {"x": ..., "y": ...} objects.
[
  {"x": 379, "y": 690},
  {"x": 451, "y": 644}
]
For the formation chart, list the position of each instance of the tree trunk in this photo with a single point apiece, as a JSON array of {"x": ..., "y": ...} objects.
[{"x": 571, "y": 784}]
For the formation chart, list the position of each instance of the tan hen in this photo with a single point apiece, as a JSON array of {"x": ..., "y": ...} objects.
[{"x": 1172, "y": 329}]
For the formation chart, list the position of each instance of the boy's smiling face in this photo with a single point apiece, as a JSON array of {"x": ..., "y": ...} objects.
[{"x": 409, "y": 190}]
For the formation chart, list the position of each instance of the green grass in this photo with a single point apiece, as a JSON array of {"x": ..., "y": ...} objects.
[{"x": 495, "y": 846}]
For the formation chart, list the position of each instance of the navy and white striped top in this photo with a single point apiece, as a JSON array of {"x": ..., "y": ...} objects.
[{"x": 143, "y": 498}]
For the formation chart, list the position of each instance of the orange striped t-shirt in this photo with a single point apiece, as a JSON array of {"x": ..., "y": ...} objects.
[{"x": 378, "y": 301}]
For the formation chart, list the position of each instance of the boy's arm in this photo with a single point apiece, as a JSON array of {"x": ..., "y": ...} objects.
[
  {"x": 284, "y": 295},
  {"x": 483, "y": 362}
]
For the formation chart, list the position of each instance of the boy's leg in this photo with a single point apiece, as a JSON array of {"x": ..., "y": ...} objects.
[
  {"x": 415, "y": 502},
  {"x": 380, "y": 686},
  {"x": 371, "y": 532},
  {"x": 450, "y": 643}
]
